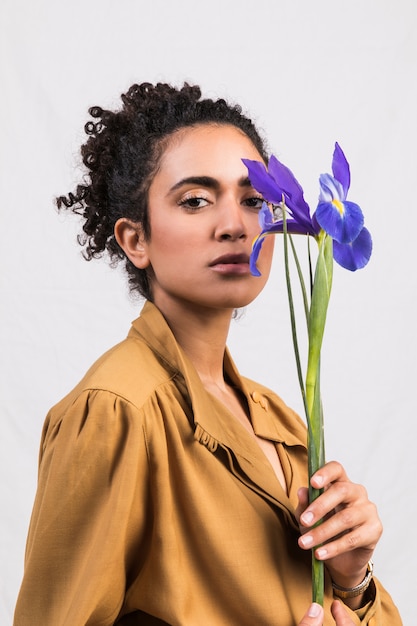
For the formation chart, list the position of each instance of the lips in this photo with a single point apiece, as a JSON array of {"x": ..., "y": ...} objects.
[
  {"x": 231, "y": 259},
  {"x": 231, "y": 265}
]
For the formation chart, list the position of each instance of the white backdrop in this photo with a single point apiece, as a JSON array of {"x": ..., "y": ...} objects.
[{"x": 309, "y": 72}]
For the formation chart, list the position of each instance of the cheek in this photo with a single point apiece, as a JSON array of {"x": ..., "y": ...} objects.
[
  {"x": 265, "y": 257},
  {"x": 166, "y": 237},
  {"x": 172, "y": 248}
]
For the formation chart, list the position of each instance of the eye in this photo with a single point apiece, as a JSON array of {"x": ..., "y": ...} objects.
[
  {"x": 254, "y": 203},
  {"x": 193, "y": 202}
]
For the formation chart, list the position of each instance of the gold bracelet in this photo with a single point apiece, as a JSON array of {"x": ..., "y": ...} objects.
[{"x": 352, "y": 592}]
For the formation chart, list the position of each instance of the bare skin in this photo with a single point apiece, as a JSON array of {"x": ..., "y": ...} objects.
[
  {"x": 203, "y": 216},
  {"x": 230, "y": 398},
  {"x": 350, "y": 530},
  {"x": 314, "y": 616}
]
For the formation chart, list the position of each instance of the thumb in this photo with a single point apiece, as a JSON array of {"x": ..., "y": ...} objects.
[
  {"x": 340, "y": 614},
  {"x": 313, "y": 617}
]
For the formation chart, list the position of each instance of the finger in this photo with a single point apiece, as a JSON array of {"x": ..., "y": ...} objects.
[
  {"x": 302, "y": 502},
  {"x": 330, "y": 472},
  {"x": 340, "y": 615},
  {"x": 345, "y": 531},
  {"x": 340, "y": 494},
  {"x": 313, "y": 617}
]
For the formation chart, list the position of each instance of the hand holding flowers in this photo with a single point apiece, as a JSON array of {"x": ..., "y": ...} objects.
[
  {"x": 350, "y": 530},
  {"x": 338, "y": 227}
]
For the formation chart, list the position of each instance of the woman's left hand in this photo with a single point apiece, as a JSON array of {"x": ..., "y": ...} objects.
[{"x": 350, "y": 529}]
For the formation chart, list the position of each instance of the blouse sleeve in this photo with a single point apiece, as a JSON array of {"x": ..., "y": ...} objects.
[
  {"x": 381, "y": 611},
  {"x": 92, "y": 491}
]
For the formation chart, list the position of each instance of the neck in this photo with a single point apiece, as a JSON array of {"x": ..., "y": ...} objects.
[{"x": 202, "y": 335}]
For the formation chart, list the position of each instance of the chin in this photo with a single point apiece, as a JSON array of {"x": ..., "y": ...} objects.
[{"x": 239, "y": 303}]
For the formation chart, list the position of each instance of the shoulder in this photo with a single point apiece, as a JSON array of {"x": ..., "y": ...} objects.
[
  {"x": 131, "y": 369},
  {"x": 122, "y": 388},
  {"x": 127, "y": 374}
]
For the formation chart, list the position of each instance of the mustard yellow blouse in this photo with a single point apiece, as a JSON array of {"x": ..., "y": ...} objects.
[{"x": 155, "y": 506}]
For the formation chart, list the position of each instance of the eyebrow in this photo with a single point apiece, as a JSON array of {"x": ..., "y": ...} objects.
[{"x": 207, "y": 181}]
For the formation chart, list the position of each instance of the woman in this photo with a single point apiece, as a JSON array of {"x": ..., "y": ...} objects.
[{"x": 171, "y": 489}]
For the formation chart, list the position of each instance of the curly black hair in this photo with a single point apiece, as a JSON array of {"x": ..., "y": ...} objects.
[{"x": 122, "y": 155}]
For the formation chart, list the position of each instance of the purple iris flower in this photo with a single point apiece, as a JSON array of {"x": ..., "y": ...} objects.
[
  {"x": 341, "y": 219},
  {"x": 278, "y": 184}
]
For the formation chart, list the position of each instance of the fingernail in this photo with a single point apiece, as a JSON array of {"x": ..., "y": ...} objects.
[
  {"x": 307, "y": 518},
  {"x": 321, "y": 553},
  {"x": 306, "y": 540},
  {"x": 318, "y": 480},
  {"x": 314, "y": 610}
]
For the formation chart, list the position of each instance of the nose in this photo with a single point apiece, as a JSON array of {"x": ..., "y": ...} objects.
[{"x": 230, "y": 223}]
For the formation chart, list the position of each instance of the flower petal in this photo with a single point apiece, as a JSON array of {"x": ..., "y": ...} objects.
[
  {"x": 355, "y": 255},
  {"x": 293, "y": 227},
  {"x": 265, "y": 217},
  {"x": 256, "y": 248},
  {"x": 343, "y": 221},
  {"x": 263, "y": 182},
  {"x": 293, "y": 192},
  {"x": 270, "y": 225},
  {"x": 330, "y": 189},
  {"x": 266, "y": 222},
  {"x": 341, "y": 170},
  {"x": 279, "y": 183}
]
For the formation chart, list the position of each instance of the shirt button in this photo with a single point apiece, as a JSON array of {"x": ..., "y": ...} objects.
[
  {"x": 256, "y": 396},
  {"x": 264, "y": 403}
]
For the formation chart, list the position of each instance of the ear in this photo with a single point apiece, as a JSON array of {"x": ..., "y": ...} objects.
[{"x": 129, "y": 235}]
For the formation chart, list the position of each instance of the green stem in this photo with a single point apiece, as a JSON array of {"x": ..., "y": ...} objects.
[
  {"x": 318, "y": 311},
  {"x": 316, "y": 319},
  {"x": 316, "y": 459},
  {"x": 301, "y": 277},
  {"x": 291, "y": 306}
]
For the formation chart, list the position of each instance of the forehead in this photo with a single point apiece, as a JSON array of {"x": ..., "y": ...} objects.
[{"x": 207, "y": 149}]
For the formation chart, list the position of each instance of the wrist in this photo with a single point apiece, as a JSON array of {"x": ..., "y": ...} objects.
[{"x": 345, "y": 592}]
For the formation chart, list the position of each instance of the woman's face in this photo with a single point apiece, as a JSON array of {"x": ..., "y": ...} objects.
[{"x": 203, "y": 216}]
